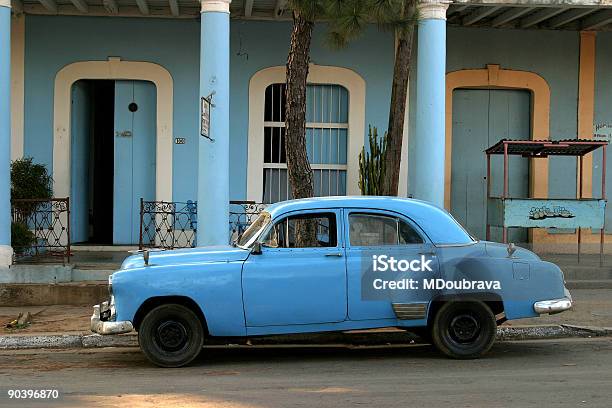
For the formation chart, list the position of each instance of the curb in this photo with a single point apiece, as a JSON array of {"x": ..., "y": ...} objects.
[{"x": 17, "y": 342}]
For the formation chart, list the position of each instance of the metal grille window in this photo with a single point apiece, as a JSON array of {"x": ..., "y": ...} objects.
[{"x": 326, "y": 141}]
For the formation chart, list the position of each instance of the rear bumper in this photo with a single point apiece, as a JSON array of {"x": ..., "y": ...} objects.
[
  {"x": 108, "y": 326},
  {"x": 553, "y": 306}
]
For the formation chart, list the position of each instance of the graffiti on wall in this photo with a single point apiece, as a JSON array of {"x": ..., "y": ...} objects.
[{"x": 539, "y": 213}]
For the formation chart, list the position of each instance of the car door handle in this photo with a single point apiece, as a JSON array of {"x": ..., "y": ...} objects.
[
  {"x": 427, "y": 253},
  {"x": 338, "y": 254}
]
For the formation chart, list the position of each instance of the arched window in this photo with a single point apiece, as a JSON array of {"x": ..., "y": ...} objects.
[
  {"x": 335, "y": 131},
  {"x": 327, "y": 127}
]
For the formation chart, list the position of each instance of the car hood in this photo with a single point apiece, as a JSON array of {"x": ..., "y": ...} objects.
[{"x": 222, "y": 253}]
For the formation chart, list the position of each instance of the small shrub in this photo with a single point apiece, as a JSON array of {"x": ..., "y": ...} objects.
[
  {"x": 21, "y": 237},
  {"x": 30, "y": 180}
]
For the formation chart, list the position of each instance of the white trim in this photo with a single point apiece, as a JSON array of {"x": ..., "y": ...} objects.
[
  {"x": 220, "y": 6},
  {"x": 283, "y": 166},
  {"x": 17, "y": 84},
  {"x": 311, "y": 125},
  {"x": 5, "y": 3},
  {"x": 317, "y": 74},
  {"x": 6, "y": 256},
  {"x": 432, "y": 9},
  {"x": 114, "y": 68}
]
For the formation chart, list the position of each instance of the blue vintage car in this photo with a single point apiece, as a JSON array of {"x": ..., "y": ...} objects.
[{"x": 331, "y": 264}]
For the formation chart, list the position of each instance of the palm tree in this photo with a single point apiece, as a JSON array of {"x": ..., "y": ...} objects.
[
  {"x": 298, "y": 168},
  {"x": 348, "y": 20}
]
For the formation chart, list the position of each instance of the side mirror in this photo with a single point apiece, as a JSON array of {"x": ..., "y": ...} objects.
[{"x": 256, "y": 249}]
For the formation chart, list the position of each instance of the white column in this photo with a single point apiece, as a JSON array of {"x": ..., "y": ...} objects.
[
  {"x": 6, "y": 251},
  {"x": 430, "y": 105},
  {"x": 213, "y": 157}
]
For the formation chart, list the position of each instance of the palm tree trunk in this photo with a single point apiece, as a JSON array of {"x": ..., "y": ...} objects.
[
  {"x": 298, "y": 167},
  {"x": 401, "y": 76}
]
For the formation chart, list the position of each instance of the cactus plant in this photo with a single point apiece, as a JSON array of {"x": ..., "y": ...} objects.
[{"x": 372, "y": 164}]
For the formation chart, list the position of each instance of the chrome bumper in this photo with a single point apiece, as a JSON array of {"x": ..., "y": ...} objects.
[
  {"x": 554, "y": 305},
  {"x": 108, "y": 327}
]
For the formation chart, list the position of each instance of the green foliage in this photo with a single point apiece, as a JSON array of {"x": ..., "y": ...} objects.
[
  {"x": 349, "y": 18},
  {"x": 21, "y": 237},
  {"x": 30, "y": 180},
  {"x": 309, "y": 9},
  {"x": 372, "y": 165}
]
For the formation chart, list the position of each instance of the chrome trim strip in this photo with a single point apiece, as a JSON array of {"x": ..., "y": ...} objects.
[{"x": 409, "y": 311}]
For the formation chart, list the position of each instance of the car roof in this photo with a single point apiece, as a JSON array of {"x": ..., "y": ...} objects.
[
  {"x": 436, "y": 222},
  {"x": 397, "y": 204}
]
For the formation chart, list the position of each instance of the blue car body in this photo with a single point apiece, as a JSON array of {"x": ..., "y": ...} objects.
[{"x": 241, "y": 292}]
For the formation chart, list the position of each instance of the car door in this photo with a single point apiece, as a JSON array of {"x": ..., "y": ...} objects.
[
  {"x": 296, "y": 280},
  {"x": 374, "y": 233}
]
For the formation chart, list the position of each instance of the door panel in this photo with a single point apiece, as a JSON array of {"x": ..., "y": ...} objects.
[
  {"x": 79, "y": 153},
  {"x": 359, "y": 261},
  {"x": 289, "y": 286},
  {"x": 134, "y": 172},
  {"x": 480, "y": 119}
]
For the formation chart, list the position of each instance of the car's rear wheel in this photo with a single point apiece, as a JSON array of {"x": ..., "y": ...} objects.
[
  {"x": 464, "y": 330},
  {"x": 171, "y": 335}
]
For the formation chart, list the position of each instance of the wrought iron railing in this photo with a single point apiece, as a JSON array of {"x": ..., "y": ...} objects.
[
  {"x": 44, "y": 228},
  {"x": 241, "y": 215},
  {"x": 167, "y": 224},
  {"x": 170, "y": 225}
]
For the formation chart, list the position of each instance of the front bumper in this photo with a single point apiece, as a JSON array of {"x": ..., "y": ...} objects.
[
  {"x": 554, "y": 305},
  {"x": 108, "y": 326}
]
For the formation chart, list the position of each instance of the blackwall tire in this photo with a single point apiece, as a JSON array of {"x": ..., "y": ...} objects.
[
  {"x": 171, "y": 335},
  {"x": 464, "y": 329}
]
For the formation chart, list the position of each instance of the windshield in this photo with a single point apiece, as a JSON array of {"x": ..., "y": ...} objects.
[{"x": 252, "y": 232}]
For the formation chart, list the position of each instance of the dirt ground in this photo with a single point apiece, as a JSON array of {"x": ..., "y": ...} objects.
[
  {"x": 62, "y": 319},
  {"x": 592, "y": 308}
]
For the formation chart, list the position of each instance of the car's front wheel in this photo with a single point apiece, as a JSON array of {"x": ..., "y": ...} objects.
[
  {"x": 171, "y": 335},
  {"x": 464, "y": 330}
]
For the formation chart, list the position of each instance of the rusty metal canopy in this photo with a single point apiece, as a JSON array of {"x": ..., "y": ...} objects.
[{"x": 545, "y": 148}]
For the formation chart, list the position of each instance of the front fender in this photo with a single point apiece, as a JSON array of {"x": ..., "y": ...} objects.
[{"x": 215, "y": 287}]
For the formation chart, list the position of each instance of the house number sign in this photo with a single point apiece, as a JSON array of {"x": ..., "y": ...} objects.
[{"x": 205, "y": 105}]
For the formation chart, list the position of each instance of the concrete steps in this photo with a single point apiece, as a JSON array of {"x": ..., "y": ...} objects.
[{"x": 35, "y": 294}]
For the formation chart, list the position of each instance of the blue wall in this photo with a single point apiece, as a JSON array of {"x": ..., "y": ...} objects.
[
  {"x": 554, "y": 55},
  {"x": 54, "y": 42},
  {"x": 603, "y": 115}
]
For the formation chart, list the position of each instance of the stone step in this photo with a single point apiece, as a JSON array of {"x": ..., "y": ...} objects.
[
  {"x": 586, "y": 272},
  {"x": 53, "y": 274},
  {"x": 589, "y": 284},
  {"x": 34, "y": 294}
]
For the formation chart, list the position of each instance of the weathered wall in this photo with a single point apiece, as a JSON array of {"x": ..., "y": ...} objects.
[{"x": 54, "y": 42}]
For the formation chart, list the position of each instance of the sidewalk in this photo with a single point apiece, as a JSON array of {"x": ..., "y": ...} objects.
[{"x": 63, "y": 326}]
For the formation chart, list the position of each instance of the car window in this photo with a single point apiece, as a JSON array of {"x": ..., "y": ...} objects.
[
  {"x": 380, "y": 230},
  {"x": 303, "y": 231}
]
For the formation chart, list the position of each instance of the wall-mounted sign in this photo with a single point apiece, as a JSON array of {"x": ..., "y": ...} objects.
[
  {"x": 205, "y": 104},
  {"x": 179, "y": 140},
  {"x": 602, "y": 131}
]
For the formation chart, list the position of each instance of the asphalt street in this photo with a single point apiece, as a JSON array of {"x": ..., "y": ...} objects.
[{"x": 543, "y": 373}]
